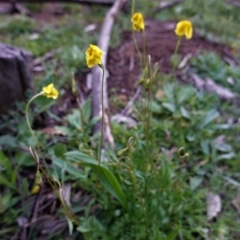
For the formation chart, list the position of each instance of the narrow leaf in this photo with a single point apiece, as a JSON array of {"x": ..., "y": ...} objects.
[{"x": 106, "y": 177}]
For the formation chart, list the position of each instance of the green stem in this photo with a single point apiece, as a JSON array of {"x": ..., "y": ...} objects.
[
  {"x": 37, "y": 143},
  {"x": 148, "y": 125},
  {"x": 133, "y": 6},
  {"x": 175, "y": 91},
  {"x": 102, "y": 128},
  {"x": 174, "y": 72},
  {"x": 144, "y": 49},
  {"x": 66, "y": 209},
  {"x": 27, "y": 118},
  {"x": 138, "y": 51},
  {"x": 142, "y": 200}
]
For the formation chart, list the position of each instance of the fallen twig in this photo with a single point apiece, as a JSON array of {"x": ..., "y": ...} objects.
[
  {"x": 210, "y": 86},
  {"x": 184, "y": 61},
  {"x": 103, "y": 43},
  {"x": 106, "y": 2},
  {"x": 120, "y": 118},
  {"x": 234, "y": 3},
  {"x": 166, "y": 4},
  {"x": 47, "y": 56},
  {"x": 128, "y": 109}
]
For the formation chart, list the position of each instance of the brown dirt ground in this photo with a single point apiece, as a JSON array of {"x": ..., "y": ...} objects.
[
  {"x": 124, "y": 67},
  {"x": 123, "y": 61}
]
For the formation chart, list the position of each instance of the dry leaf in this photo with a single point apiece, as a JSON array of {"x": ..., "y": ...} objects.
[
  {"x": 214, "y": 205},
  {"x": 159, "y": 94},
  {"x": 52, "y": 131}
]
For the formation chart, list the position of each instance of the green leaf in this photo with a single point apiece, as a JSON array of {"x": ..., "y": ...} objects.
[
  {"x": 106, "y": 177},
  {"x": 205, "y": 147},
  {"x": 226, "y": 156},
  {"x": 169, "y": 106},
  {"x": 184, "y": 112},
  {"x": 78, "y": 156},
  {"x": 195, "y": 182},
  {"x": 232, "y": 181},
  {"x": 155, "y": 107},
  {"x": 63, "y": 164},
  {"x": 87, "y": 110},
  {"x": 169, "y": 91},
  {"x": 191, "y": 137},
  {"x": 173, "y": 234},
  {"x": 86, "y": 226},
  {"x": 70, "y": 226},
  {"x": 6, "y": 182},
  {"x": 8, "y": 140},
  {"x": 74, "y": 119},
  {"x": 60, "y": 149},
  {"x": 5, "y": 162},
  {"x": 110, "y": 182},
  {"x": 185, "y": 93},
  {"x": 224, "y": 147},
  {"x": 211, "y": 115}
]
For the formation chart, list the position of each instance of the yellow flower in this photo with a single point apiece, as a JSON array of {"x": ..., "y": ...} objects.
[
  {"x": 35, "y": 189},
  {"x": 94, "y": 56},
  {"x": 50, "y": 91},
  {"x": 184, "y": 28},
  {"x": 138, "y": 22}
]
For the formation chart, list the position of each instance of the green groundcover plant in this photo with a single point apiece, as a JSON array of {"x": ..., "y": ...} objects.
[{"x": 144, "y": 188}]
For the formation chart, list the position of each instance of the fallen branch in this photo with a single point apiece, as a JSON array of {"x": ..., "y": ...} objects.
[
  {"x": 106, "y": 2},
  {"x": 210, "y": 86},
  {"x": 45, "y": 57},
  {"x": 103, "y": 43},
  {"x": 38, "y": 62},
  {"x": 128, "y": 109},
  {"x": 184, "y": 61},
  {"x": 234, "y": 3},
  {"x": 166, "y": 4},
  {"x": 13, "y": 7},
  {"x": 120, "y": 118}
]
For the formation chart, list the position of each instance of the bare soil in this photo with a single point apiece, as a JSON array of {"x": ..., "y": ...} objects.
[{"x": 123, "y": 61}]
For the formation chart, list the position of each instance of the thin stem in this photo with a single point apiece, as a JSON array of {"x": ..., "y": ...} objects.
[
  {"x": 138, "y": 51},
  {"x": 148, "y": 124},
  {"x": 133, "y": 6},
  {"x": 27, "y": 118},
  {"x": 66, "y": 209},
  {"x": 144, "y": 48},
  {"x": 102, "y": 129},
  {"x": 141, "y": 199},
  {"x": 134, "y": 37},
  {"x": 37, "y": 143},
  {"x": 175, "y": 90},
  {"x": 174, "y": 72}
]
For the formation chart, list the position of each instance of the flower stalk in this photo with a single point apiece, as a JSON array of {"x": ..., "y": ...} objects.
[{"x": 93, "y": 58}]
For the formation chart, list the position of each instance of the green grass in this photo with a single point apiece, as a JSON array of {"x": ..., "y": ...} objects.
[{"x": 213, "y": 19}]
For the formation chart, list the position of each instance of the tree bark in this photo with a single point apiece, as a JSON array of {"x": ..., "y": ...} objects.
[{"x": 15, "y": 75}]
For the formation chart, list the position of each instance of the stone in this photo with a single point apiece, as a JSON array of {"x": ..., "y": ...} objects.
[{"x": 15, "y": 75}]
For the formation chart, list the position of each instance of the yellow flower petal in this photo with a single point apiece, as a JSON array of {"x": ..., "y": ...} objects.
[
  {"x": 93, "y": 56},
  {"x": 50, "y": 91},
  {"x": 184, "y": 28},
  {"x": 138, "y": 22},
  {"x": 35, "y": 189}
]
